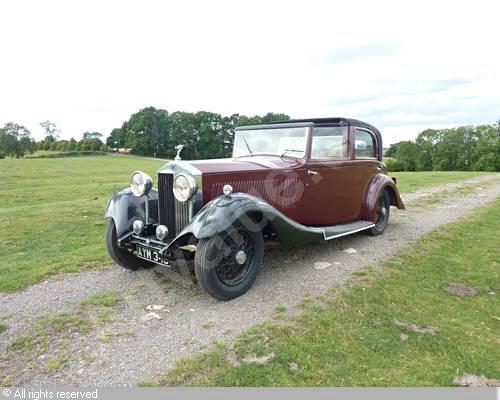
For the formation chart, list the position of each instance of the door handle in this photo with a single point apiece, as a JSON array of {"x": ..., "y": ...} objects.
[{"x": 311, "y": 173}]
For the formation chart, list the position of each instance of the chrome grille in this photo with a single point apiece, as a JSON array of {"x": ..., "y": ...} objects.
[
  {"x": 182, "y": 215},
  {"x": 172, "y": 213},
  {"x": 166, "y": 202}
]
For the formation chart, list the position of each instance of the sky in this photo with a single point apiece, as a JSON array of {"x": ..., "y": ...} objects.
[{"x": 401, "y": 66}]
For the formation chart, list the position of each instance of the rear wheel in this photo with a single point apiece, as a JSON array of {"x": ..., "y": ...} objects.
[
  {"x": 382, "y": 216},
  {"x": 122, "y": 256},
  {"x": 227, "y": 264}
]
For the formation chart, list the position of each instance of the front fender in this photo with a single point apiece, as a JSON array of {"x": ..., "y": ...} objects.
[
  {"x": 376, "y": 185},
  {"x": 219, "y": 214},
  {"x": 125, "y": 208}
]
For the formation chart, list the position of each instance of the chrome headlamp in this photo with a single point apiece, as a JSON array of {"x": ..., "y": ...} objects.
[
  {"x": 184, "y": 187},
  {"x": 140, "y": 183},
  {"x": 161, "y": 232}
]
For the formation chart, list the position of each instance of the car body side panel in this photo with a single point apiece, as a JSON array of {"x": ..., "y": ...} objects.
[
  {"x": 327, "y": 194},
  {"x": 376, "y": 185},
  {"x": 125, "y": 208},
  {"x": 281, "y": 188}
]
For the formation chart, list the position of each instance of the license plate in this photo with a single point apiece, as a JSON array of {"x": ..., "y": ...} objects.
[{"x": 148, "y": 254}]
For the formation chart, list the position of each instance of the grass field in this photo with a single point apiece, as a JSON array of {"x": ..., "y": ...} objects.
[
  {"x": 351, "y": 337},
  {"x": 51, "y": 212},
  {"x": 411, "y": 181}
]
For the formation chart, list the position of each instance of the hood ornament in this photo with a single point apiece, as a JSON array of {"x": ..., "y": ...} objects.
[{"x": 179, "y": 148}]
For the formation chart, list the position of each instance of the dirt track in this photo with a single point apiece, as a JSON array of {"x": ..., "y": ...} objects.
[{"x": 125, "y": 350}]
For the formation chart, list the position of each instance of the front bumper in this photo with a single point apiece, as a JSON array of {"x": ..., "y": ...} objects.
[{"x": 146, "y": 241}]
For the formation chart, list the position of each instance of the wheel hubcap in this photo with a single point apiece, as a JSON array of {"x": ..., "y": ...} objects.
[
  {"x": 240, "y": 257},
  {"x": 383, "y": 211}
]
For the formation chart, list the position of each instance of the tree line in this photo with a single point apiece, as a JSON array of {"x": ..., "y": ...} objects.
[
  {"x": 156, "y": 132},
  {"x": 150, "y": 131},
  {"x": 465, "y": 148},
  {"x": 16, "y": 141}
]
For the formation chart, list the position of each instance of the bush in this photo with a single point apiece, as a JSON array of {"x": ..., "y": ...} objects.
[
  {"x": 394, "y": 165},
  {"x": 69, "y": 154}
]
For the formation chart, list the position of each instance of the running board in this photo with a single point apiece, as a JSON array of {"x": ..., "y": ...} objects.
[{"x": 332, "y": 232}]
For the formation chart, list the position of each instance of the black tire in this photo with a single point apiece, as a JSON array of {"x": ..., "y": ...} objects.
[
  {"x": 122, "y": 256},
  {"x": 382, "y": 216},
  {"x": 219, "y": 265}
]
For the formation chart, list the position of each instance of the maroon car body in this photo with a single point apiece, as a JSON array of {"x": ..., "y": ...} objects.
[{"x": 297, "y": 181}]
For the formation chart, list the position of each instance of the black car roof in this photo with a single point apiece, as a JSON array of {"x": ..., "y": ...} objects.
[{"x": 331, "y": 120}]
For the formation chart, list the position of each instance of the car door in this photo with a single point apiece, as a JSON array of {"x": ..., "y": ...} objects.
[
  {"x": 327, "y": 191},
  {"x": 365, "y": 163}
]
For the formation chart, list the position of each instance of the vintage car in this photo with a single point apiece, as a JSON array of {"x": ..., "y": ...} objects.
[{"x": 299, "y": 182}]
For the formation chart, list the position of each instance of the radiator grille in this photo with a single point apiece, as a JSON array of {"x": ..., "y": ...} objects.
[
  {"x": 172, "y": 213},
  {"x": 182, "y": 215},
  {"x": 166, "y": 202}
]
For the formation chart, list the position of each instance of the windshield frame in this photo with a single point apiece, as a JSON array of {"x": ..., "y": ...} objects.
[{"x": 305, "y": 126}]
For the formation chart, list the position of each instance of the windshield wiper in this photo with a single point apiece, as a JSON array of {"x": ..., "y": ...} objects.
[
  {"x": 291, "y": 150},
  {"x": 248, "y": 147}
]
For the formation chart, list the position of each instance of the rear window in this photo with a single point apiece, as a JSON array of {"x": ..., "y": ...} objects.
[{"x": 364, "y": 144}]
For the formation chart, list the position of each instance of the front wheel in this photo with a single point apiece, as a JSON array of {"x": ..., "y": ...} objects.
[
  {"x": 227, "y": 264},
  {"x": 382, "y": 216},
  {"x": 120, "y": 255}
]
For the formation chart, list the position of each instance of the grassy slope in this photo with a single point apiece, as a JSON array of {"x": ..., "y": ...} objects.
[
  {"x": 51, "y": 214},
  {"x": 411, "y": 181},
  {"x": 349, "y": 337}
]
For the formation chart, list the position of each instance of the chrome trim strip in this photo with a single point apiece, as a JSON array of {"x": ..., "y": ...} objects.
[{"x": 347, "y": 233}]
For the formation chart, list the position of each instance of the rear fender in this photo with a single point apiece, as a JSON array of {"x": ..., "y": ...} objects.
[
  {"x": 124, "y": 208},
  {"x": 376, "y": 185}
]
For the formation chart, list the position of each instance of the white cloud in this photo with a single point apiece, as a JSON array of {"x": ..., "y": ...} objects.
[{"x": 87, "y": 65}]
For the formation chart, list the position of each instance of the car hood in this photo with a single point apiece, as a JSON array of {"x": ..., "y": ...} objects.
[{"x": 245, "y": 164}]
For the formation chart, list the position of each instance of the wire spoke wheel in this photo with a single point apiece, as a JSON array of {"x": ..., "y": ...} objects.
[
  {"x": 238, "y": 251},
  {"x": 227, "y": 263},
  {"x": 382, "y": 212}
]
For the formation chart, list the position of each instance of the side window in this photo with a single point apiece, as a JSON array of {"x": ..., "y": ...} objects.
[
  {"x": 329, "y": 142},
  {"x": 364, "y": 144}
]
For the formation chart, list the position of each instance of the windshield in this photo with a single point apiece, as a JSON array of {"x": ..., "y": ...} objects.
[{"x": 278, "y": 141}]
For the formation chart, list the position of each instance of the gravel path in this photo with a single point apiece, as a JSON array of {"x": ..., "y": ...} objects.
[{"x": 125, "y": 350}]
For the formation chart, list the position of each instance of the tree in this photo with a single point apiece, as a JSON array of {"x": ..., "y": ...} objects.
[
  {"x": 215, "y": 134},
  {"x": 118, "y": 138},
  {"x": 51, "y": 130},
  {"x": 392, "y": 150},
  {"x": 183, "y": 129},
  {"x": 425, "y": 148},
  {"x": 488, "y": 148},
  {"x": 95, "y": 144},
  {"x": 92, "y": 135},
  {"x": 243, "y": 120},
  {"x": 204, "y": 134},
  {"x": 72, "y": 144},
  {"x": 407, "y": 154},
  {"x": 146, "y": 132},
  {"x": 15, "y": 140}
]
